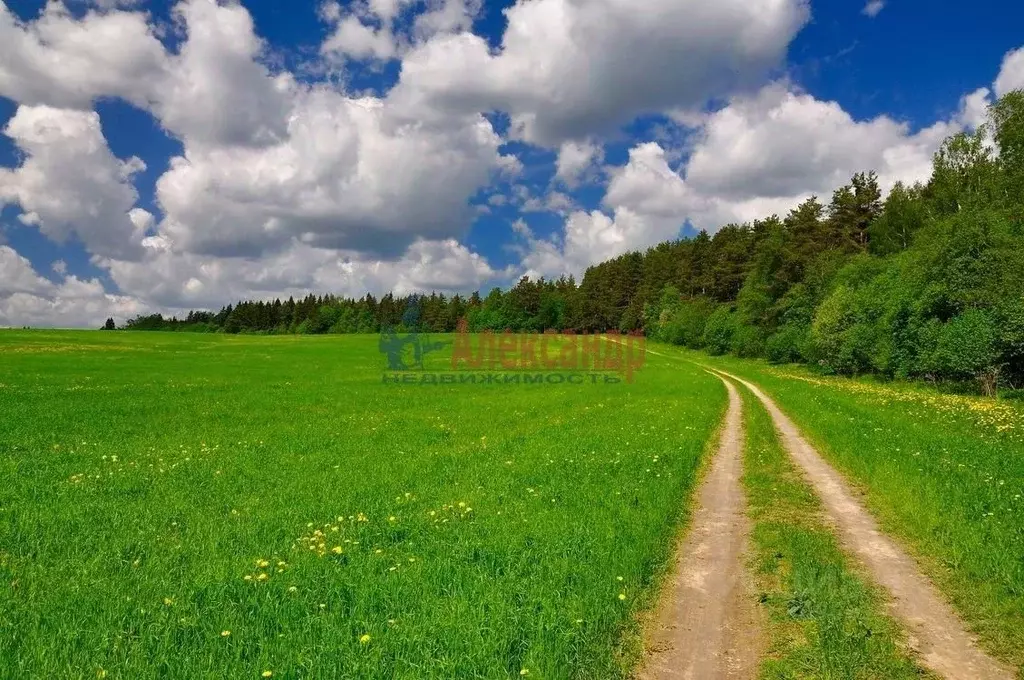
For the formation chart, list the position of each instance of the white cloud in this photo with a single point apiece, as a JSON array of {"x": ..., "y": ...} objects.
[
  {"x": 166, "y": 279},
  {"x": 285, "y": 186},
  {"x": 369, "y": 30},
  {"x": 569, "y": 68},
  {"x": 215, "y": 91},
  {"x": 782, "y": 143},
  {"x": 347, "y": 174},
  {"x": 873, "y": 8},
  {"x": 29, "y": 299},
  {"x": 575, "y": 159},
  {"x": 974, "y": 108},
  {"x": 353, "y": 38},
  {"x": 759, "y": 155},
  {"x": 70, "y": 182},
  {"x": 65, "y": 62},
  {"x": 1011, "y": 74}
]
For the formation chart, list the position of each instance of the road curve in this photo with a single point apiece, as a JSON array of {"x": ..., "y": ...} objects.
[{"x": 934, "y": 629}]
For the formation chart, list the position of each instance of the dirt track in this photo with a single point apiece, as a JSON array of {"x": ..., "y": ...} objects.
[
  {"x": 707, "y": 626},
  {"x": 934, "y": 630}
]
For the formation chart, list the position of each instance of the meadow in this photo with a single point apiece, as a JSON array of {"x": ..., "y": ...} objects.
[{"x": 209, "y": 506}]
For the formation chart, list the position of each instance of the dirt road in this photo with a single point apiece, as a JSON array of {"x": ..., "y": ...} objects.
[
  {"x": 933, "y": 628},
  {"x": 707, "y": 621}
]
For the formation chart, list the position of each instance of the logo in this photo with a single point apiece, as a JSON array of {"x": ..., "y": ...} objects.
[
  {"x": 489, "y": 358},
  {"x": 405, "y": 350}
]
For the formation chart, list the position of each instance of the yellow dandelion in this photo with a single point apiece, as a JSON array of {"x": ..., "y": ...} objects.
[
  {"x": 262, "y": 564},
  {"x": 262, "y": 577},
  {"x": 293, "y": 589},
  {"x": 524, "y": 672},
  {"x": 268, "y": 674},
  {"x": 336, "y": 550},
  {"x": 622, "y": 596},
  {"x": 168, "y": 601},
  {"x": 391, "y": 519},
  {"x": 364, "y": 639},
  {"x": 225, "y": 633}
]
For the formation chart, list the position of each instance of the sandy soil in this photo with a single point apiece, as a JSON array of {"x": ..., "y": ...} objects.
[{"x": 706, "y": 626}]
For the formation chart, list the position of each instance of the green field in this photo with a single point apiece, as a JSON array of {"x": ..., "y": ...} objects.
[
  {"x": 180, "y": 505},
  {"x": 209, "y": 506}
]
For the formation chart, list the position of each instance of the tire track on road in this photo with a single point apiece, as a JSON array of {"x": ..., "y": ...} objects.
[{"x": 707, "y": 627}]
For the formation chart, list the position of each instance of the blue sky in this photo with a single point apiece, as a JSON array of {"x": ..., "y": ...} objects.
[{"x": 697, "y": 132}]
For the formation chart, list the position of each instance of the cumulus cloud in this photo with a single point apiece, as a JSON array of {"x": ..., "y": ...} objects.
[
  {"x": 285, "y": 186},
  {"x": 568, "y": 68},
  {"x": 70, "y": 183},
  {"x": 215, "y": 91},
  {"x": 1011, "y": 74},
  {"x": 370, "y": 30},
  {"x": 347, "y": 174},
  {"x": 575, "y": 159},
  {"x": 782, "y": 143},
  {"x": 168, "y": 279},
  {"x": 67, "y": 62},
  {"x": 29, "y": 299},
  {"x": 760, "y": 155}
]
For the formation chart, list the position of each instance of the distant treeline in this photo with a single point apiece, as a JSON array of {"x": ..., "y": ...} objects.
[{"x": 928, "y": 283}]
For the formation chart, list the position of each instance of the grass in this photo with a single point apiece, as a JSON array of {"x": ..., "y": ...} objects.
[
  {"x": 943, "y": 473},
  {"x": 822, "y": 620},
  {"x": 216, "y": 506}
]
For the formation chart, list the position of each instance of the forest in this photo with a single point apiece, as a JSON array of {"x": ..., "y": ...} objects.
[{"x": 924, "y": 283}]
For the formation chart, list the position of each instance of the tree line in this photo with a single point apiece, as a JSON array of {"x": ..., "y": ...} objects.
[{"x": 927, "y": 282}]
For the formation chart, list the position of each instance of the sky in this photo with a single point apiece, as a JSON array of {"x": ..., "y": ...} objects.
[{"x": 167, "y": 156}]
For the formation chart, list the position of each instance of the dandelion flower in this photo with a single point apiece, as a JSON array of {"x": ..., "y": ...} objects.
[
  {"x": 293, "y": 589},
  {"x": 262, "y": 564},
  {"x": 622, "y": 596},
  {"x": 336, "y": 550},
  {"x": 364, "y": 639},
  {"x": 268, "y": 674},
  {"x": 262, "y": 577},
  {"x": 524, "y": 672},
  {"x": 168, "y": 601},
  {"x": 225, "y": 633}
]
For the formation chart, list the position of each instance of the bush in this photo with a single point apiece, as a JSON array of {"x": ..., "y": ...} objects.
[
  {"x": 687, "y": 323},
  {"x": 966, "y": 347},
  {"x": 747, "y": 341},
  {"x": 719, "y": 330},
  {"x": 787, "y": 345}
]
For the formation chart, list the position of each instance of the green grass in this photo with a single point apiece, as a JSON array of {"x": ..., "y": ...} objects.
[
  {"x": 822, "y": 620},
  {"x": 943, "y": 473},
  {"x": 147, "y": 475}
]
